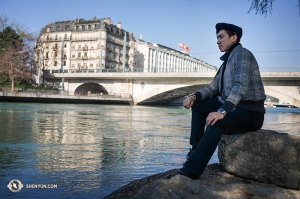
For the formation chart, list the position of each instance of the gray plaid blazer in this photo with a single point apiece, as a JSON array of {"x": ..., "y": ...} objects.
[{"x": 241, "y": 81}]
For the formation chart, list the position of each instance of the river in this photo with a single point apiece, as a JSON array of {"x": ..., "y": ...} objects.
[{"x": 89, "y": 151}]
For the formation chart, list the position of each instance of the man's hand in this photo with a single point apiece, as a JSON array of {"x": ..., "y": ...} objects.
[
  {"x": 213, "y": 117},
  {"x": 188, "y": 102}
]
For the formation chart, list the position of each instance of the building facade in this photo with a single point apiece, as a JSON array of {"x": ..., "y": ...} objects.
[
  {"x": 84, "y": 46},
  {"x": 156, "y": 58}
]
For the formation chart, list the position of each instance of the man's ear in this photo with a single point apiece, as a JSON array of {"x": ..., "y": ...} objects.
[{"x": 234, "y": 38}]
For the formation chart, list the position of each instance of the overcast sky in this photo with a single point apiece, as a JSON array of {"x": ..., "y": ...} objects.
[{"x": 274, "y": 40}]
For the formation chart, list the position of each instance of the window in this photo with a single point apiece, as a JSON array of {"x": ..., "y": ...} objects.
[
  {"x": 64, "y": 63},
  {"x": 55, "y": 63},
  {"x": 47, "y": 55},
  {"x": 73, "y": 65},
  {"x": 85, "y": 54},
  {"x": 80, "y": 27},
  {"x": 85, "y": 64},
  {"x": 79, "y": 54},
  {"x": 78, "y": 64},
  {"x": 56, "y": 37},
  {"x": 86, "y": 27},
  {"x": 65, "y": 45},
  {"x": 48, "y": 29},
  {"x": 47, "y": 38},
  {"x": 65, "y": 56},
  {"x": 56, "y": 46},
  {"x": 57, "y": 28},
  {"x": 91, "y": 65},
  {"x": 66, "y": 27},
  {"x": 93, "y": 27},
  {"x": 55, "y": 54},
  {"x": 73, "y": 46},
  {"x": 73, "y": 56},
  {"x": 79, "y": 46},
  {"x": 65, "y": 36}
]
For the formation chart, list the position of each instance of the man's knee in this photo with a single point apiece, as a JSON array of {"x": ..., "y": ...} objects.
[{"x": 215, "y": 130}]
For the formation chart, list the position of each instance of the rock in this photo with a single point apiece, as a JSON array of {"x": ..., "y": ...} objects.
[
  {"x": 264, "y": 155},
  {"x": 215, "y": 182}
]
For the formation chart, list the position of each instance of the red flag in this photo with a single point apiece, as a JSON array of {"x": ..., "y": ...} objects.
[
  {"x": 183, "y": 46},
  {"x": 180, "y": 45},
  {"x": 186, "y": 48}
]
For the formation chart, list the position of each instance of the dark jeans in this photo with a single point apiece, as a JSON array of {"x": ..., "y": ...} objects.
[{"x": 205, "y": 143}]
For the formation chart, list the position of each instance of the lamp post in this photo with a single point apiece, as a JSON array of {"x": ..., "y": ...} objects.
[
  {"x": 124, "y": 51},
  {"x": 62, "y": 65},
  {"x": 100, "y": 58}
]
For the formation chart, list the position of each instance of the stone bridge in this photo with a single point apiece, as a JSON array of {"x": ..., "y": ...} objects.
[{"x": 163, "y": 88}]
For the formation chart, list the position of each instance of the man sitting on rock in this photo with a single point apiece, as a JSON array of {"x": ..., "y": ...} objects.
[{"x": 232, "y": 103}]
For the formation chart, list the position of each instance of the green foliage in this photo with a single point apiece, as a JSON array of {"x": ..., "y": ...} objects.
[
  {"x": 9, "y": 37},
  {"x": 4, "y": 80}
]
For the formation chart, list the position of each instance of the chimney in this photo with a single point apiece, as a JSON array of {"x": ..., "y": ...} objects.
[
  {"x": 107, "y": 20},
  {"x": 141, "y": 37},
  {"x": 119, "y": 25}
]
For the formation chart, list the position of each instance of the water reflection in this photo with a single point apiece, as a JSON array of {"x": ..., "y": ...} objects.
[{"x": 91, "y": 150}]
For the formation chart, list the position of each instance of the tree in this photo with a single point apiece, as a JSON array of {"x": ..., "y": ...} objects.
[
  {"x": 14, "y": 63},
  {"x": 264, "y": 7},
  {"x": 8, "y": 37},
  {"x": 16, "y": 52}
]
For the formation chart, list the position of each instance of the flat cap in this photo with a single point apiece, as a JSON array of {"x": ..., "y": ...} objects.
[{"x": 233, "y": 28}]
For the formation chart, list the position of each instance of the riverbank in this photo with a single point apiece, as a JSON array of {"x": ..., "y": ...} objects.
[{"x": 60, "y": 98}]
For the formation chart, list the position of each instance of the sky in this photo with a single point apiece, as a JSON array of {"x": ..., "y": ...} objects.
[{"x": 274, "y": 40}]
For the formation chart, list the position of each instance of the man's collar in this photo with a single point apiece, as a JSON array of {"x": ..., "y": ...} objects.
[{"x": 224, "y": 57}]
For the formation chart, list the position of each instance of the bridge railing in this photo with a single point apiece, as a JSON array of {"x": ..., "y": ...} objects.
[
  {"x": 279, "y": 69},
  {"x": 173, "y": 70},
  {"x": 137, "y": 70}
]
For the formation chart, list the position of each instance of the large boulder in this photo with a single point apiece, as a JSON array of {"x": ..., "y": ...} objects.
[
  {"x": 215, "y": 182},
  {"x": 264, "y": 155}
]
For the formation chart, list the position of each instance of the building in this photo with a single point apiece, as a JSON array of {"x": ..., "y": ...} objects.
[
  {"x": 153, "y": 57},
  {"x": 97, "y": 46},
  {"x": 84, "y": 46}
]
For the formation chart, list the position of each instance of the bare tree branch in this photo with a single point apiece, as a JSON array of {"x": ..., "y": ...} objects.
[
  {"x": 263, "y": 7},
  {"x": 14, "y": 63}
]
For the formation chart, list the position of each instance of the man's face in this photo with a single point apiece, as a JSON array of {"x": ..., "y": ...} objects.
[{"x": 224, "y": 41}]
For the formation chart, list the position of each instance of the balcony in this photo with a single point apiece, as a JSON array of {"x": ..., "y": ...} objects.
[
  {"x": 84, "y": 57},
  {"x": 74, "y": 38}
]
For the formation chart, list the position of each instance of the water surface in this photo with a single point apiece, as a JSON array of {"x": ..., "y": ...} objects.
[{"x": 89, "y": 151}]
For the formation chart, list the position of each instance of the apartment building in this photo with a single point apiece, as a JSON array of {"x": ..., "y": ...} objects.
[{"x": 84, "y": 46}]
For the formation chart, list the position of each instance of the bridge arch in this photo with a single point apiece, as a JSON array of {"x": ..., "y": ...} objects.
[
  {"x": 282, "y": 96},
  {"x": 163, "y": 94},
  {"x": 83, "y": 89}
]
